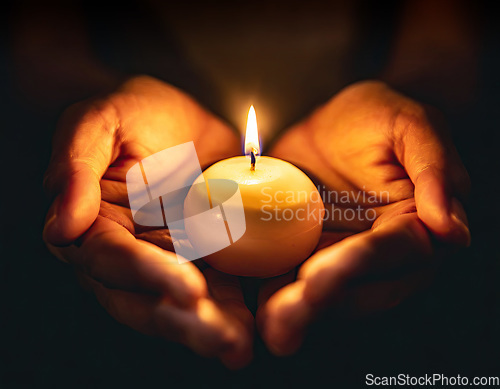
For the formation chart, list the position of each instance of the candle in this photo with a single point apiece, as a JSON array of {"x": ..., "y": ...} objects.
[{"x": 282, "y": 207}]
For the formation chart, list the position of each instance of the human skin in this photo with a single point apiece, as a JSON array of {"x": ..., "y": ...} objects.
[
  {"x": 369, "y": 138},
  {"x": 131, "y": 270},
  {"x": 433, "y": 55}
]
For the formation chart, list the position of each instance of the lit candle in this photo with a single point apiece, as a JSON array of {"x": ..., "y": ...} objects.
[{"x": 283, "y": 212}]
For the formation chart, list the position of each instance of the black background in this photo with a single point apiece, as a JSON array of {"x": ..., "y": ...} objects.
[{"x": 53, "y": 334}]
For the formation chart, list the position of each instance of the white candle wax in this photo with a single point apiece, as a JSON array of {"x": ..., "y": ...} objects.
[{"x": 283, "y": 216}]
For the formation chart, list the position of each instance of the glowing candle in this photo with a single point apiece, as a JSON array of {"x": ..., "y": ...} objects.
[{"x": 283, "y": 212}]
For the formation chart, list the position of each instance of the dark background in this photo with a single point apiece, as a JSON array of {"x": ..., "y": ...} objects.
[{"x": 53, "y": 334}]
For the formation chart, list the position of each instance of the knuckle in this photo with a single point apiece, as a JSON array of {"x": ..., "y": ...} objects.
[
  {"x": 212, "y": 341},
  {"x": 410, "y": 119},
  {"x": 221, "y": 340},
  {"x": 369, "y": 86},
  {"x": 138, "y": 80},
  {"x": 99, "y": 113}
]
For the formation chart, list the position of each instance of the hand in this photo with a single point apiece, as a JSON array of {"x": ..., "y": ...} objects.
[
  {"x": 374, "y": 141},
  {"x": 131, "y": 271}
]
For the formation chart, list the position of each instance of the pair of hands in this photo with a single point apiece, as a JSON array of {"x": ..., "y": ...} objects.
[{"x": 367, "y": 138}]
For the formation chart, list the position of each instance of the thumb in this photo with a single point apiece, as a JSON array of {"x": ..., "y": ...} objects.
[
  {"x": 82, "y": 151},
  {"x": 439, "y": 177}
]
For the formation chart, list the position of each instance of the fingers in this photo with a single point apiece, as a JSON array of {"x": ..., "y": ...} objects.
[
  {"x": 227, "y": 292},
  {"x": 206, "y": 329},
  {"x": 145, "y": 288},
  {"x": 271, "y": 285},
  {"x": 374, "y": 264},
  {"x": 221, "y": 328},
  {"x": 435, "y": 169},
  {"x": 331, "y": 237},
  {"x": 134, "y": 310},
  {"x": 269, "y": 326},
  {"x": 284, "y": 319},
  {"x": 83, "y": 148},
  {"x": 203, "y": 327},
  {"x": 115, "y": 258},
  {"x": 394, "y": 247}
]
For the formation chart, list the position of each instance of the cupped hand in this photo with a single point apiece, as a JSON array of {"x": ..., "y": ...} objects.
[
  {"x": 393, "y": 184},
  {"x": 130, "y": 269}
]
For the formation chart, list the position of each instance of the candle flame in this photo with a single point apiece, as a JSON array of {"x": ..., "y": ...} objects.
[{"x": 252, "y": 134}]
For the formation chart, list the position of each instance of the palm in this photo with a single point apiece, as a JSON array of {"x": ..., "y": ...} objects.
[
  {"x": 366, "y": 148},
  {"x": 379, "y": 160},
  {"x": 153, "y": 116},
  {"x": 146, "y": 132},
  {"x": 348, "y": 149},
  {"x": 128, "y": 266}
]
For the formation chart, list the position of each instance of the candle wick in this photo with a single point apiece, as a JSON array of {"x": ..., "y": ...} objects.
[{"x": 252, "y": 160}]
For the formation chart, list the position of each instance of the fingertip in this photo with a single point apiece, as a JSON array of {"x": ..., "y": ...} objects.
[
  {"x": 283, "y": 323},
  {"x": 447, "y": 225},
  {"x": 195, "y": 286},
  {"x": 442, "y": 214},
  {"x": 50, "y": 230},
  {"x": 285, "y": 344},
  {"x": 238, "y": 357},
  {"x": 186, "y": 291},
  {"x": 461, "y": 222},
  {"x": 73, "y": 210},
  {"x": 55, "y": 232},
  {"x": 194, "y": 293},
  {"x": 458, "y": 235}
]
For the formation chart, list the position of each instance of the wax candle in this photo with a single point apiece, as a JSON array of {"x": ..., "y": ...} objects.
[{"x": 283, "y": 212}]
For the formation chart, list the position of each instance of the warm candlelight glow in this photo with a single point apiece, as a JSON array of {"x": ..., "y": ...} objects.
[
  {"x": 252, "y": 134},
  {"x": 266, "y": 235}
]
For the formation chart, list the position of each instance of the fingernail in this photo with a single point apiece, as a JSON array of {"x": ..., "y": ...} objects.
[
  {"x": 458, "y": 212},
  {"x": 50, "y": 228},
  {"x": 459, "y": 217},
  {"x": 49, "y": 225}
]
